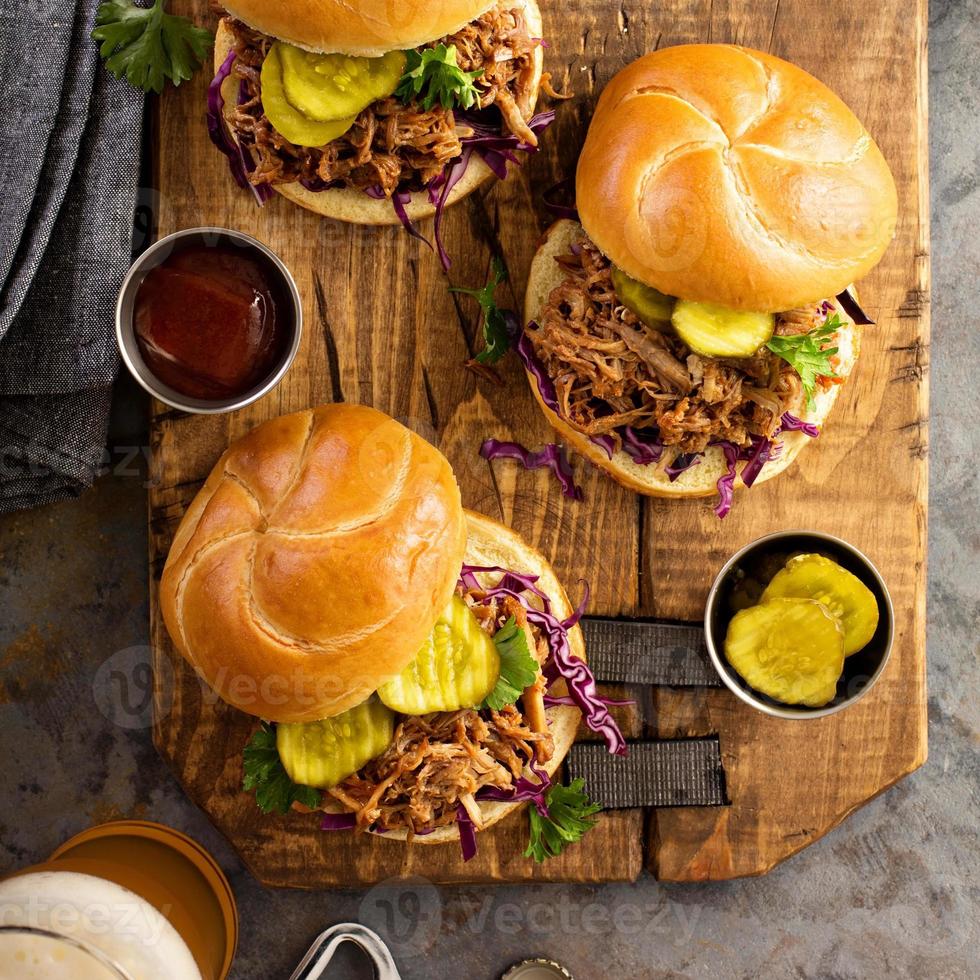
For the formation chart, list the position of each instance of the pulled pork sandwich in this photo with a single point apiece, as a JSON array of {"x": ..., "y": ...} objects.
[
  {"x": 376, "y": 112},
  {"x": 693, "y": 330},
  {"x": 418, "y": 667}
]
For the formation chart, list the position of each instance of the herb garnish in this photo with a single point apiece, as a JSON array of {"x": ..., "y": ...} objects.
[
  {"x": 497, "y": 330},
  {"x": 275, "y": 792},
  {"x": 434, "y": 72},
  {"x": 570, "y": 816},
  {"x": 808, "y": 355},
  {"x": 518, "y": 669},
  {"x": 147, "y": 46}
]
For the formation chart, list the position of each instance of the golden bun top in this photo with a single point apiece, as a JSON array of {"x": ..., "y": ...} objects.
[
  {"x": 358, "y": 27},
  {"x": 313, "y": 562},
  {"x": 721, "y": 174}
]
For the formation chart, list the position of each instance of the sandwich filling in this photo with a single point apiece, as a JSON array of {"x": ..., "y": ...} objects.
[
  {"x": 615, "y": 376},
  {"x": 446, "y": 736},
  {"x": 440, "y": 761},
  {"x": 393, "y": 145}
]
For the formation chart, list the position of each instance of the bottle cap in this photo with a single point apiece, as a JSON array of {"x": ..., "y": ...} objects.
[{"x": 537, "y": 969}]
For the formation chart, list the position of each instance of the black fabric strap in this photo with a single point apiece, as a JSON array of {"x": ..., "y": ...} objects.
[
  {"x": 631, "y": 652},
  {"x": 683, "y": 772}
]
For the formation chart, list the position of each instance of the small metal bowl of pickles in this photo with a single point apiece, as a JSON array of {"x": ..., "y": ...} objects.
[{"x": 799, "y": 624}]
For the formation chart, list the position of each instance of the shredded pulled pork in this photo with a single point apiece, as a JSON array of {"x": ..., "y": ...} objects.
[
  {"x": 437, "y": 761},
  {"x": 392, "y": 145},
  {"x": 611, "y": 370}
]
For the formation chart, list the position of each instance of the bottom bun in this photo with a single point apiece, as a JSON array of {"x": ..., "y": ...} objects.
[
  {"x": 491, "y": 544},
  {"x": 651, "y": 479}
]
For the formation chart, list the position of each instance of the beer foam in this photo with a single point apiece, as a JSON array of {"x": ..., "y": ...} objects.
[
  {"x": 24, "y": 956},
  {"x": 101, "y": 914}
]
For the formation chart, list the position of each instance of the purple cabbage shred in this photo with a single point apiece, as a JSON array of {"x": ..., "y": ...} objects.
[
  {"x": 523, "y": 791},
  {"x": 681, "y": 464},
  {"x": 790, "y": 423},
  {"x": 726, "y": 483},
  {"x": 640, "y": 448},
  {"x": 553, "y": 457},
  {"x": 606, "y": 443},
  {"x": 338, "y": 821},
  {"x": 853, "y": 309},
  {"x": 561, "y": 663},
  {"x": 239, "y": 162},
  {"x": 554, "y": 197},
  {"x": 467, "y": 833},
  {"x": 546, "y": 387}
]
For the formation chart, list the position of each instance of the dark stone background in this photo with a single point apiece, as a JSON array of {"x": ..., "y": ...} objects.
[{"x": 891, "y": 893}]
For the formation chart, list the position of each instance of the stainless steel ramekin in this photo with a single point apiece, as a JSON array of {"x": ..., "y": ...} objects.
[
  {"x": 126, "y": 334},
  {"x": 861, "y": 670}
]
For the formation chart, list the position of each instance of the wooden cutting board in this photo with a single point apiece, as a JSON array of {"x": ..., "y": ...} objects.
[{"x": 382, "y": 329}]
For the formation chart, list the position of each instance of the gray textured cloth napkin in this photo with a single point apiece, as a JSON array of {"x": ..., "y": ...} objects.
[{"x": 69, "y": 171}]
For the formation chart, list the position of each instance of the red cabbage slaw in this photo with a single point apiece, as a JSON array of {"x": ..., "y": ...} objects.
[
  {"x": 561, "y": 663},
  {"x": 553, "y": 457},
  {"x": 645, "y": 447},
  {"x": 239, "y": 161}
]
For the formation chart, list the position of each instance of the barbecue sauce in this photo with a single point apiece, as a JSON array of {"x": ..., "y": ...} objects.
[{"x": 213, "y": 321}]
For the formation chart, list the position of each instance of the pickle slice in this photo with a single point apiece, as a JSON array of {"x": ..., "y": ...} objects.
[
  {"x": 844, "y": 594},
  {"x": 457, "y": 667},
  {"x": 328, "y": 87},
  {"x": 652, "y": 307},
  {"x": 790, "y": 649},
  {"x": 286, "y": 118},
  {"x": 716, "y": 331},
  {"x": 322, "y": 753}
]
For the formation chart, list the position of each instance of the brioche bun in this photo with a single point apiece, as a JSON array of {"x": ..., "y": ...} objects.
[
  {"x": 491, "y": 544},
  {"x": 354, "y": 206},
  {"x": 700, "y": 480},
  {"x": 366, "y": 27},
  {"x": 720, "y": 174},
  {"x": 313, "y": 562}
]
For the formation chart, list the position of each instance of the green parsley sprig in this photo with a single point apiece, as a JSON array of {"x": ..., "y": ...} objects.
[
  {"x": 497, "y": 328},
  {"x": 518, "y": 668},
  {"x": 146, "y": 46},
  {"x": 275, "y": 792},
  {"x": 433, "y": 75},
  {"x": 808, "y": 353},
  {"x": 570, "y": 817}
]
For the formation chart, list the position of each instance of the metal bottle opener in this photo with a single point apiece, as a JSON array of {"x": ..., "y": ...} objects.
[{"x": 316, "y": 961}]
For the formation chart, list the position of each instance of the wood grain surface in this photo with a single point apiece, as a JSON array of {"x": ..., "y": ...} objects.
[{"x": 381, "y": 329}]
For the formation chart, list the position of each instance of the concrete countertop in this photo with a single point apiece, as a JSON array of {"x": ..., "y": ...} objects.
[{"x": 891, "y": 893}]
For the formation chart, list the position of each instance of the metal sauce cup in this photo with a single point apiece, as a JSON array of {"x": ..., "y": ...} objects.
[
  {"x": 759, "y": 561},
  {"x": 126, "y": 332}
]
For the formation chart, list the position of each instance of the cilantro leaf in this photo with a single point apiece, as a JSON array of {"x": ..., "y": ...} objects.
[
  {"x": 434, "y": 72},
  {"x": 518, "y": 668},
  {"x": 497, "y": 327},
  {"x": 570, "y": 813},
  {"x": 275, "y": 792},
  {"x": 147, "y": 46},
  {"x": 807, "y": 353}
]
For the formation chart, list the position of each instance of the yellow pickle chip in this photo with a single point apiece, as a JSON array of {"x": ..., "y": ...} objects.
[
  {"x": 789, "y": 649},
  {"x": 322, "y": 753},
  {"x": 457, "y": 667},
  {"x": 843, "y": 593}
]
